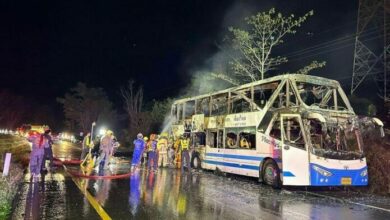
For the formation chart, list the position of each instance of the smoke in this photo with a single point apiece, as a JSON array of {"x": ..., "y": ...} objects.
[{"x": 201, "y": 79}]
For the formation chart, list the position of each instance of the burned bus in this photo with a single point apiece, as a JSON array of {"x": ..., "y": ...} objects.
[{"x": 286, "y": 130}]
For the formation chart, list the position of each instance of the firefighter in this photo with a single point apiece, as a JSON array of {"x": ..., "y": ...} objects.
[
  {"x": 87, "y": 145},
  {"x": 171, "y": 153},
  {"x": 48, "y": 151},
  {"x": 162, "y": 147},
  {"x": 39, "y": 141},
  {"x": 139, "y": 148},
  {"x": 106, "y": 148},
  {"x": 177, "y": 157},
  {"x": 145, "y": 153},
  {"x": 185, "y": 155},
  {"x": 152, "y": 155}
]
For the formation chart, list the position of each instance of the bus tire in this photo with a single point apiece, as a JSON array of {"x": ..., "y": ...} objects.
[
  {"x": 271, "y": 174},
  {"x": 196, "y": 163}
]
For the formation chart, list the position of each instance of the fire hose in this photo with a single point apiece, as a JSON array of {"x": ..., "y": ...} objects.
[
  {"x": 58, "y": 162},
  {"x": 63, "y": 163}
]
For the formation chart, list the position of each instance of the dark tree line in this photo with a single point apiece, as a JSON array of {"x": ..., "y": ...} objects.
[
  {"x": 16, "y": 110},
  {"x": 83, "y": 105}
]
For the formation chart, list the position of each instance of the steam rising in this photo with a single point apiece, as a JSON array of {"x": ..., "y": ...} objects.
[{"x": 202, "y": 81}]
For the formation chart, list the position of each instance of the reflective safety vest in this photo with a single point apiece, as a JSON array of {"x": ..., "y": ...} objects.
[
  {"x": 184, "y": 144},
  {"x": 87, "y": 142},
  {"x": 162, "y": 144},
  {"x": 176, "y": 144}
]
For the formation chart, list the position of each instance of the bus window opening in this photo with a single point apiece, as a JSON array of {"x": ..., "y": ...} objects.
[
  {"x": 220, "y": 139},
  {"x": 231, "y": 140},
  {"x": 247, "y": 140},
  {"x": 199, "y": 139},
  {"x": 336, "y": 141},
  {"x": 212, "y": 139},
  {"x": 293, "y": 133}
]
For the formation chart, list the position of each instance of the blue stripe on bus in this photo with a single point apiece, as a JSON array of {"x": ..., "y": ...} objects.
[
  {"x": 243, "y": 166},
  {"x": 288, "y": 174},
  {"x": 232, "y": 156}
]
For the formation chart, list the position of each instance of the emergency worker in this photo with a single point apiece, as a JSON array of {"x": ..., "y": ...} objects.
[
  {"x": 152, "y": 155},
  {"x": 36, "y": 156},
  {"x": 176, "y": 146},
  {"x": 116, "y": 145},
  {"x": 139, "y": 148},
  {"x": 87, "y": 145},
  {"x": 48, "y": 151},
  {"x": 106, "y": 148},
  {"x": 96, "y": 148},
  {"x": 148, "y": 149},
  {"x": 171, "y": 152},
  {"x": 162, "y": 147},
  {"x": 185, "y": 155},
  {"x": 145, "y": 153}
]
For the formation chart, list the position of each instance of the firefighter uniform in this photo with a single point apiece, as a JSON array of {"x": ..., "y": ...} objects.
[
  {"x": 185, "y": 155},
  {"x": 152, "y": 155},
  {"x": 162, "y": 147},
  {"x": 176, "y": 146},
  {"x": 139, "y": 146}
]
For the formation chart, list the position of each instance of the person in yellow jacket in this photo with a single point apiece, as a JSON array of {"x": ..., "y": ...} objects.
[
  {"x": 162, "y": 148},
  {"x": 176, "y": 146},
  {"x": 87, "y": 145},
  {"x": 185, "y": 154}
]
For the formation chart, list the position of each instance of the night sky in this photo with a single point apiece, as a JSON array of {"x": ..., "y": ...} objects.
[{"x": 46, "y": 47}]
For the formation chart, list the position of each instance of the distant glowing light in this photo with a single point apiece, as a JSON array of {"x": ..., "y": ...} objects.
[{"x": 102, "y": 131}]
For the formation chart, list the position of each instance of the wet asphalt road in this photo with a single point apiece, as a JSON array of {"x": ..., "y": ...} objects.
[{"x": 169, "y": 194}]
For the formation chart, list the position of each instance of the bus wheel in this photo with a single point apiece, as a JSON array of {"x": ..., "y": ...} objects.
[
  {"x": 271, "y": 174},
  {"x": 196, "y": 163}
]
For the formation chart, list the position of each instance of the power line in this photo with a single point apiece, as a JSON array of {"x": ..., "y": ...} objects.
[
  {"x": 329, "y": 43},
  {"x": 330, "y": 50}
]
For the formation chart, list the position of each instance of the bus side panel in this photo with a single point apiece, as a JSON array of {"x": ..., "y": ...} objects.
[
  {"x": 211, "y": 159},
  {"x": 242, "y": 162},
  {"x": 266, "y": 144}
]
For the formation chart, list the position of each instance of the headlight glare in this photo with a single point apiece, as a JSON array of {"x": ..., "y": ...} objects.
[
  {"x": 322, "y": 171},
  {"x": 364, "y": 173}
]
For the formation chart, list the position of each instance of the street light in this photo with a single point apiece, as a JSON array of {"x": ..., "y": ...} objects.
[{"x": 102, "y": 131}]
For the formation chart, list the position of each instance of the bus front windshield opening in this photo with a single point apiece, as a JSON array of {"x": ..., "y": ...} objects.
[
  {"x": 336, "y": 141},
  {"x": 324, "y": 97}
]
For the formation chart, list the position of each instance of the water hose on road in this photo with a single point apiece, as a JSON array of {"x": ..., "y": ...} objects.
[
  {"x": 58, "y": 162},
  {"x": 63, "y": 163}
]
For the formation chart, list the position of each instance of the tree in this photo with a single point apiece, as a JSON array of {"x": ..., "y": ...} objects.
[
  {"x": 83, "y": 105},
  {"x": 252, "y": 56},
  {"x": 139, "y": 121},
  {"x": 13, "y": 110}
]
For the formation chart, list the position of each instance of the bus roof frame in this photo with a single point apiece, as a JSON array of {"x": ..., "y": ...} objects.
[{"x": 281, "y": 78}]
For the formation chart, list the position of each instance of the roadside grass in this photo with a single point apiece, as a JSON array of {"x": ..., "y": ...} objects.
[
  {"x": 8, "y": 189},
  {"x": 9, "y": 184},
  {"x": 377, "y": 151}
]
